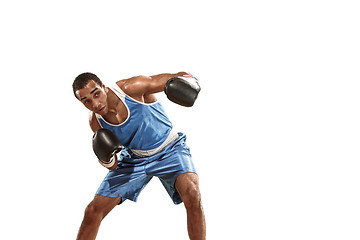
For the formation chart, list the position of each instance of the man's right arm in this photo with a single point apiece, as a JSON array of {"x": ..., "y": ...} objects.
[
  {"x": 106, "y": 145},
  {"x": 95, "y": 125}
]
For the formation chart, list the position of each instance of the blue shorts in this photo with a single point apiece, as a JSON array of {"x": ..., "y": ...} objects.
[{"x": 133, "y": 173}]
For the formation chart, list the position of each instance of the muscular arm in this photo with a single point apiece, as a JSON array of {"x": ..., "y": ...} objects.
[
  {"x": 142, "y": 88},
  {"x": 94, "y": 125},
  {"x": 159, "y": 81}
]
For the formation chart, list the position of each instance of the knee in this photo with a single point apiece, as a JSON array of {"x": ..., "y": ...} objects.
[
  {"x": 93, "y": 213},
  {"x": 192, "y": 197}
]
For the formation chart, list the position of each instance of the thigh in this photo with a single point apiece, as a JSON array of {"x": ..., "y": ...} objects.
[
  {"x": 168, "y": 170},
  {"x": 174, "y": 161},
  {"x": 126, "y": 182}
]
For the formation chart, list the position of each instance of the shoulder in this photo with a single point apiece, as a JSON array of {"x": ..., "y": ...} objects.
[
  {"x": 94, "y": 123},
  {"x": 136, "y": 87},
  {"x": 134, "y": 83}
]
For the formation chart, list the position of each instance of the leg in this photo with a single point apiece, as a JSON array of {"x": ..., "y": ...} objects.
[
  {"x": 187, "y": 184},
  {"x": 94, "y": 214}
]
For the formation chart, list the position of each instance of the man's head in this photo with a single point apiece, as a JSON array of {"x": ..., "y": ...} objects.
[
  {"x": 83, "y": 79},
  {"x": 89, "y": 89}
]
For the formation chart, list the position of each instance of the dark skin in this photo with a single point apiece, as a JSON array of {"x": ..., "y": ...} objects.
[{"x": 101, "y": 100}]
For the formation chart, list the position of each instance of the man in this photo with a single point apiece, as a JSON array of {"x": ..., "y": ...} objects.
[{"x": 148, "y": 145}]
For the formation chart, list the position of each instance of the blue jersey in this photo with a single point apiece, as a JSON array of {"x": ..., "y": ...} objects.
[{"x": 147, "y": 126}]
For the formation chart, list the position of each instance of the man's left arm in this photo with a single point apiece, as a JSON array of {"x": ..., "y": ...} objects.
[
  {"x": 180, "y": 88},
  {"x": 147, "y": 84},
  {"x": 159, "y": 81}
]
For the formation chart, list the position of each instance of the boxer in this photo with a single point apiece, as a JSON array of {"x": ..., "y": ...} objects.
[{"x": 136, "y": 141}]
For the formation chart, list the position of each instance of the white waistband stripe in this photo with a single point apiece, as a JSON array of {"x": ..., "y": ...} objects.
[{"x": 147, "y": 153}]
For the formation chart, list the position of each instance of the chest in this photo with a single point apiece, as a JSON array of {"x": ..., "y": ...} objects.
[{"x": 118, "y": 115}]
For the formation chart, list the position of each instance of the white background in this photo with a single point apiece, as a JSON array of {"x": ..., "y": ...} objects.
[{"x": 274, "y": 133}]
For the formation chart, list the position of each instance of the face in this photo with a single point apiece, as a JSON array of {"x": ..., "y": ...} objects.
[{"x": 94, "y": 97}]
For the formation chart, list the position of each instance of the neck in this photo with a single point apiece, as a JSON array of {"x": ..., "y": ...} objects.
[{"x": 112, "y": 102}]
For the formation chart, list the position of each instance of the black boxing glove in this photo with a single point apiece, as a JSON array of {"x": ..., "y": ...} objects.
[
  {"x": 182, "y": 90},
  {"x": 106, "y": 145}
]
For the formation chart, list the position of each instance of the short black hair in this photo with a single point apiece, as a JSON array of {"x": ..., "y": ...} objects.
[{"x": 81, "y": 80}]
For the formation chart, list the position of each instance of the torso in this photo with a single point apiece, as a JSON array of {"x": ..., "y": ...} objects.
[
  {"x": 138, "y": 125},
  {"x": 120, "y": 114}
]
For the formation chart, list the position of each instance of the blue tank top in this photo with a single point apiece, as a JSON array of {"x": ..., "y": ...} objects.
[{"x": 146, "y": 127}]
